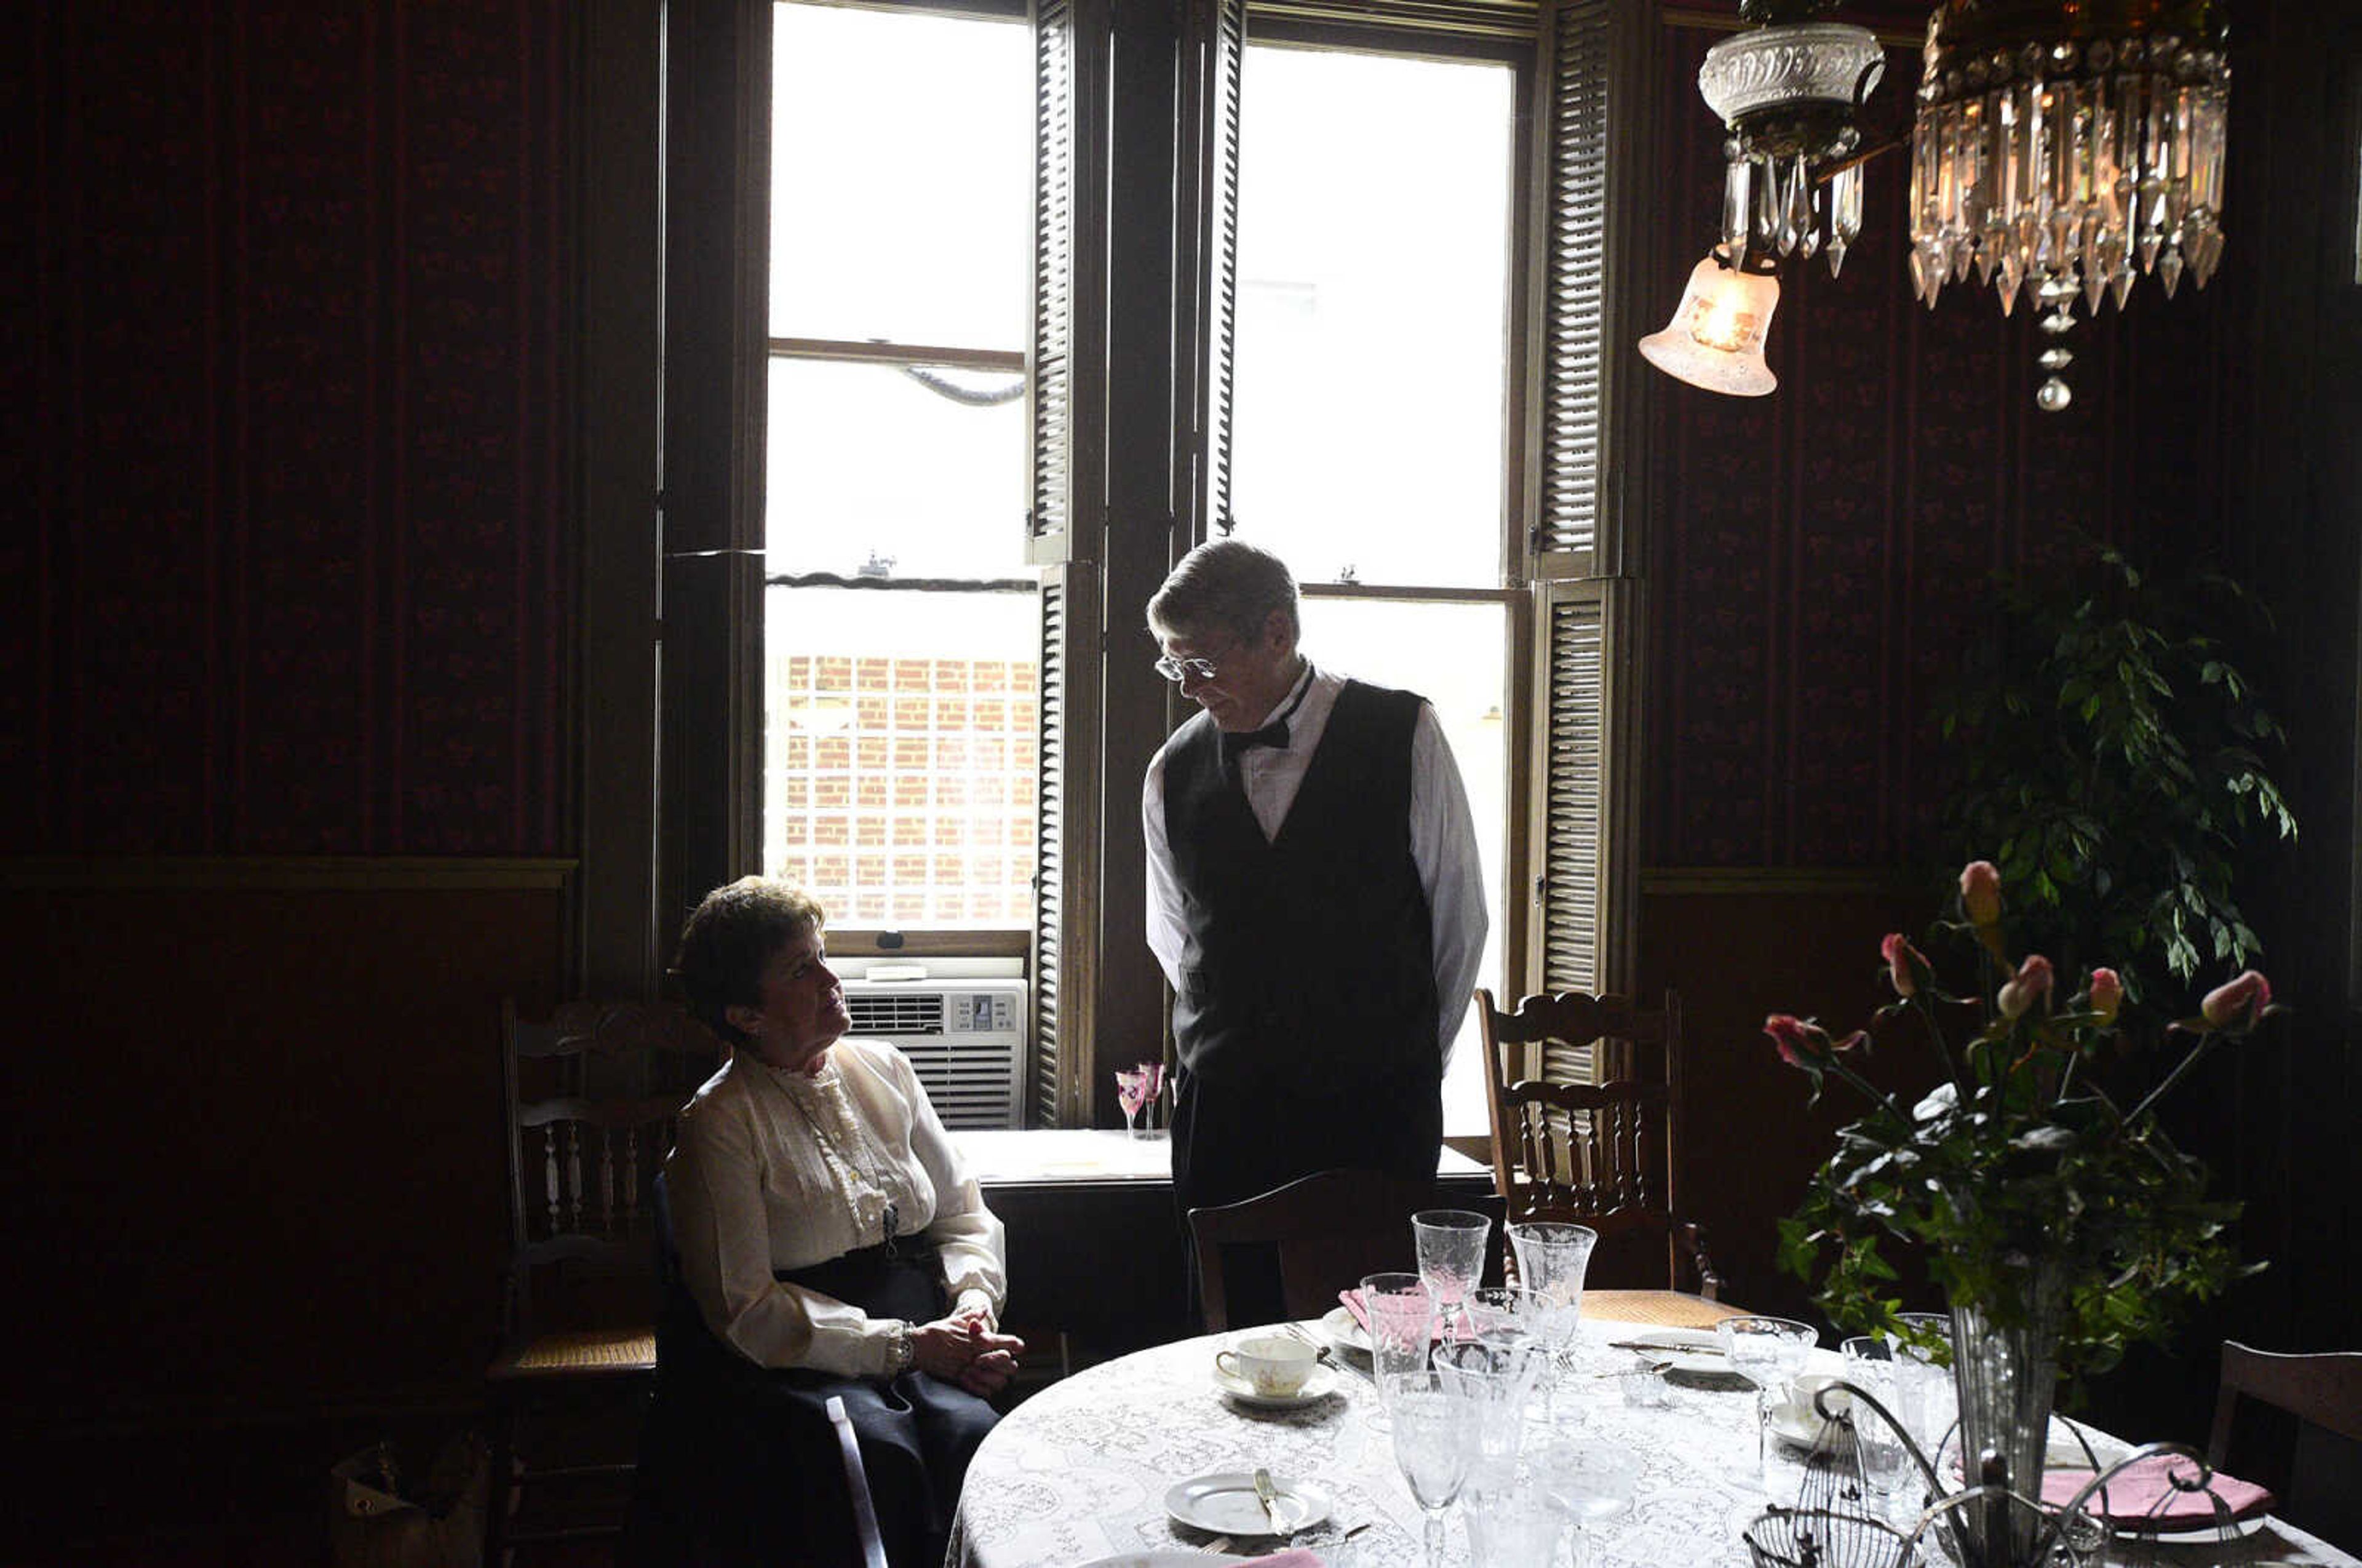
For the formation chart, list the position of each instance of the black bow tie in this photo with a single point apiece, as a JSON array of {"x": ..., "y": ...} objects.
[{"x": 1273, "y": 734}]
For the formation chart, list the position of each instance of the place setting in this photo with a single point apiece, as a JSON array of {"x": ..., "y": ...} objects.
[{"x": 1273, "y": 1371}]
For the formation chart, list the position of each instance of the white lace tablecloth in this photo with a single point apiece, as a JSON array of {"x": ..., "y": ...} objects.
[{"x": 1079, "y": 1471}]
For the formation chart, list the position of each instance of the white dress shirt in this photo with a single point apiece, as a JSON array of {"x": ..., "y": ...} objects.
[
  {"x": 775, "y": 1170},
  {"x": 1442, "y": 842}
]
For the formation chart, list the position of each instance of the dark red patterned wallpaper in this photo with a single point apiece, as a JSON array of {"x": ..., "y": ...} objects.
[
  {"x": 289, "y": 577},
  {"x": 1818, "y": 555}
]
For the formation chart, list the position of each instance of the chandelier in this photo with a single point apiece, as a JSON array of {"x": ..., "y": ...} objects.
[{"x": 2062, "y": 147}]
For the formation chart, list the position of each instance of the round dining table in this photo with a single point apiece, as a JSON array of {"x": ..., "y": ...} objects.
[{"x": 1080, "y": 1471}]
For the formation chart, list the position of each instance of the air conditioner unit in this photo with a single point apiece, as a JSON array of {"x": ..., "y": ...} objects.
[{"x": 961, "y": 1021}]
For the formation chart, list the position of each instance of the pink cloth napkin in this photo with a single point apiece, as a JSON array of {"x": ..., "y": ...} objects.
[
  {"x": 1294, "y": 1557},
  {"x": 2133, "y": 1495},
  {"x": 1360, "y": 1310}
]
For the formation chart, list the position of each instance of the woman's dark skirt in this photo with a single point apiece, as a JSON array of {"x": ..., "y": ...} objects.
[{"x": 739, "y": 1464}]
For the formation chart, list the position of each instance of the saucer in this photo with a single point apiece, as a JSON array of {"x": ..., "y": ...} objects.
[
  {"x": 1320, "y": 1385},
  {"x": 1226, "y": 1504}
]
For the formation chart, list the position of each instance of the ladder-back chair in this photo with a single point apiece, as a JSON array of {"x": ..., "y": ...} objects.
[
  {"x": 590, "y": 1097},
  {"x": 1586, "y": 1110},
  {"x": 2310, "y": 1457}
]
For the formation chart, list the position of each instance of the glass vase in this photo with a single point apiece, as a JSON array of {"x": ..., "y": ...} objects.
[{"x": 2005, "y": 1374}]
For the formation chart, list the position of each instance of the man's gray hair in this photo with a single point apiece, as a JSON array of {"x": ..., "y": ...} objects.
[{"x": 1225, "y": 584}]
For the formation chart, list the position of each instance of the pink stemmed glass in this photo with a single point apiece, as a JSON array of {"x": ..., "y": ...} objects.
[{"x": 1131, "y": 1093}]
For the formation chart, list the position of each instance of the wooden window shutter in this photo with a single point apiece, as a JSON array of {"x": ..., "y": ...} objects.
[
  {"x": 1213, "y": 54},
  {"x": 1066, "y": 862},
  {"x": 1578, "y": 861},
  {"x": 1064, "y": 391}
]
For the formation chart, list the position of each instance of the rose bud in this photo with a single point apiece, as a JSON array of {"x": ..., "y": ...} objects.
[
  {"x": 2030, "y": 986},
  {"x": 2107, "y": 994},
  {"x": 2234, "y": 1007},
  {"x": 1981, "y": 893}
]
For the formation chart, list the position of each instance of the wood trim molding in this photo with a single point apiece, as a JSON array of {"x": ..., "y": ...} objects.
[
  {"x": 285, "y": 873},
  {"x": 1793, "y": 882}
]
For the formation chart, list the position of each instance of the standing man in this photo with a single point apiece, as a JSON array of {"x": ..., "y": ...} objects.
[{"x": 1313, "y": 894}]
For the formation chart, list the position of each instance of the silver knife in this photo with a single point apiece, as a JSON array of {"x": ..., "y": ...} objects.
[
  {"x": 1268, "y": 1496},
  {"x": 1662, "y": 1347}
]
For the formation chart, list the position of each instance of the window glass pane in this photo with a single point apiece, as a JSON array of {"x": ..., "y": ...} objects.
[
  {"x": 865, "y": 462},
  {"x": 901, "y": 177},
  {"x": 900, "y": 769},
  {"x": 1455, "y": 656},
  {"x": 1374, "y": 254}
]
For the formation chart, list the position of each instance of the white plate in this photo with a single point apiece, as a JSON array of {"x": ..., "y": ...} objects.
[
  {"x": 1320, "y": 1385},
  {"x": 1685, "y": 1350},
  {"x": 1163, "y": 1557},
  {"x": 1226, "y": 1504},
  {"x": 1343, "y": 1332}
]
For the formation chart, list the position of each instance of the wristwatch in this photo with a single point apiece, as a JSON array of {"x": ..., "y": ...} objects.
[{"x": 901, "y": 1349}]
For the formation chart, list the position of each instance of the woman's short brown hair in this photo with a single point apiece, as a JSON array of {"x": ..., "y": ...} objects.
[{"x": 731, "y": 937}]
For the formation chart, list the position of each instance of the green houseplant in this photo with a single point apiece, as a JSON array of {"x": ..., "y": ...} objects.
[
  {"x": 2061, "y": 1225},
  {"x": 2115, "y": 764}
]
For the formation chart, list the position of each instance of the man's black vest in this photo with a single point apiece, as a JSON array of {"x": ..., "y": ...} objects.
[{"x": 1312, "y": 955}]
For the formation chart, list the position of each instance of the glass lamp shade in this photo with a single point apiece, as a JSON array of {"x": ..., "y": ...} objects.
[{"x": 1716, "y": 337}]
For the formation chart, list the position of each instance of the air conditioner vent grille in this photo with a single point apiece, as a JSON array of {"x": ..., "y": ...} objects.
[{"x": 910, "y": 1012}]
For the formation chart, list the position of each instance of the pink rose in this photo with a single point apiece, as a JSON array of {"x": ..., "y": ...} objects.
[
  {"x": 1981, "y": 893},
  {"x": 2107, "y": 994},
  {"x": 2031, "y": 983},
  {"x": 1807, "y": 1045},
  {"x": 1904, "y": 964},
  {"x": 2234, "y": 1007}
]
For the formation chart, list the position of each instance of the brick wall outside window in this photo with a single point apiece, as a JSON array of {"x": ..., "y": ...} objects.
[{"x": 903, "y": 789}]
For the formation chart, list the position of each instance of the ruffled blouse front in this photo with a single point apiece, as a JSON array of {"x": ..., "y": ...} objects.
[{"x": 778, "y": 1170}]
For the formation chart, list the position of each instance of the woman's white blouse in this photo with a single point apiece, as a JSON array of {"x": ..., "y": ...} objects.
[{"x": 775, "y": 1170}]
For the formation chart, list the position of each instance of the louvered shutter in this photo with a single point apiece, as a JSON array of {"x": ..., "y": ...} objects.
[
  {"x": 1066, "y": 861},
  {"x": 1582, "y": 734},
  {"x": 1573, "y": 185},
  {"x": 1214, "y": 54},
  {"x": 1063, "y": 393},
  {"x": 1064, "y": 526}
]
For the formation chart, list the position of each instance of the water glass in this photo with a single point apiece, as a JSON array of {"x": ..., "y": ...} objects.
[
  {"x": 1451, "y": 1248},
  {"x": 1435, "y": 1446},
  {"x": 1870, "y": 1368},
  {"x": 1512, "y": 1523},
  {"x": 1496, "y": 1380},
  {"x": 1592, "y": 1484},
  {"x": 1551, "y": 1261},
  {"x": 1923, "y": 1389},
  {"x": 1770, "y": 1352},
  {"x": 1402, "y": 1323}
]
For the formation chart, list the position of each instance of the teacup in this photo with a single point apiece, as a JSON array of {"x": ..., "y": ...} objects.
[{"x": 1273, "y": 1366}]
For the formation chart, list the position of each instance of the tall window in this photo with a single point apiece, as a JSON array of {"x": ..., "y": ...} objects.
[
  {"x": 1371, "y": 379},
  {"x": 900, "y": 623}
]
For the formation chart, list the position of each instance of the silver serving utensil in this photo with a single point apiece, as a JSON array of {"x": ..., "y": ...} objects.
[{"x": 1660, "y": 1348}]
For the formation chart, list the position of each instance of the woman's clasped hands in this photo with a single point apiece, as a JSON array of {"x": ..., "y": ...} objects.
[{"x": 964, "y": 1348}]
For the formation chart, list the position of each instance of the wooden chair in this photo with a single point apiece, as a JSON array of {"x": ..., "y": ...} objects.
[
  {"x": 2315, "y": 1469},
  {"x": 590, "y": 1098},
  {"x": 1329, "y": 1231},
  {"x": 1599, "y": 1153}
]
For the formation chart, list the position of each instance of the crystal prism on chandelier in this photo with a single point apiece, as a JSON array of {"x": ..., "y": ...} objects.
[
  {"x": 1788, "y": 93},
  {"x": 2061, "y": 151}
]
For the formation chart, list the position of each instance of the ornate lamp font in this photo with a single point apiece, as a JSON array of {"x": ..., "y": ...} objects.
[
  {"x": 1787, "y": 92},
  {"x": 2063, "y": 146}
]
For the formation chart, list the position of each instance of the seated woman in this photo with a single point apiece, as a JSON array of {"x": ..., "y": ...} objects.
[{"x": 833, "y": 1242}]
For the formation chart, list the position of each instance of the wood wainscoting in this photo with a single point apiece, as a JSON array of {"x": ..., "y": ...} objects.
[
  {"x": 1738, "y": 945},
  {"x": 255, "y": 1164}
]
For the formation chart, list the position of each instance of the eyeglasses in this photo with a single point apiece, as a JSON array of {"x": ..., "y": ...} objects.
[{"x": 1173, "y": 669}]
